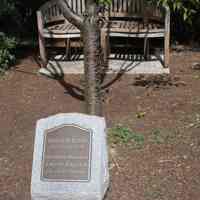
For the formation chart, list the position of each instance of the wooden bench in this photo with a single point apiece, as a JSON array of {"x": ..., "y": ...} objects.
[
  {"x": 126, "y": 18},
  {"x": 137, "y": 19},
  {"x": 53, "y": 25}
]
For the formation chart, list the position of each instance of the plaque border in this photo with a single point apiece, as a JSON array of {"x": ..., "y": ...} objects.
[{"x": 43, "y": 152}]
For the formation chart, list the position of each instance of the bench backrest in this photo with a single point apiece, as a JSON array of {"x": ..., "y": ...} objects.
[
  {"x": 124, "y": 8},
  {"x": 52, "y": 13},
  {"x": 134, "y": 8},
  {"x": 118, "y": 8}
]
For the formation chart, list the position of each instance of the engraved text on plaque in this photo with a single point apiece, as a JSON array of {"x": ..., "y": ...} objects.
[{"x": 67, "y": 154}]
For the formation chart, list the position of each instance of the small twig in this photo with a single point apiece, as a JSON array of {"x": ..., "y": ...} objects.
[
  {"x": 115, "y": 163},
  {"x": 163, "y": 161}
]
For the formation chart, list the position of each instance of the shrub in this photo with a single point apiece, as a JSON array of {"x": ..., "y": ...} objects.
[
  {"x": 7, "y": 7},
  {"x": 7, "y": 48},
  {"x": 185, "y": 18}
]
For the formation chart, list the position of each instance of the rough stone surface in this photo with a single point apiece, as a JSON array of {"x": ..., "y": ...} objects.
[{"x": 96, "y": 188}]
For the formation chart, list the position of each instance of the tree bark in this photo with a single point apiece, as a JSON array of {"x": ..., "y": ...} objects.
[
  {"x": 92, "y": 52},
  {"x": 91, "y": 32}
]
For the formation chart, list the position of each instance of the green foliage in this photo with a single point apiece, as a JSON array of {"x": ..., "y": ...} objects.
[
  {"x": 10, "y": 18},
  {"x": 104, "y": 2},
  {"x": 122, "y": 134},
  {"x": 184, "y": 18},
  {"x": 157, "y": 136},
  {"x": 7, "y": 7},
  {"x": 7, "y": 47},
  {"x": 163, "y": 136},
  {"x": 186, "y": 8},
  {"x": 19, "y": 16}
]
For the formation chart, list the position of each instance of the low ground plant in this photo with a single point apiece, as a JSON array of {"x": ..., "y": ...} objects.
[
  {"x": 7, "y": 52},
  {"x": 124, "y": 135}
]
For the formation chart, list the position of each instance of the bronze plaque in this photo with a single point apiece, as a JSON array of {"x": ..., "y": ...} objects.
[{"x": 67, "y": 154}]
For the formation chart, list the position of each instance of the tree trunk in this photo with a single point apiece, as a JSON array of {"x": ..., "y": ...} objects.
[
  {"x": 92, "y": 61},
  {"x": 89, "y": 26}
]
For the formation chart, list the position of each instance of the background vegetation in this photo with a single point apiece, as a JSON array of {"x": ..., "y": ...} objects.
[
  {"x": 185, "y": 18},
  {"x": 22, "y": 19},
  {"x": 18, "y": 19}
]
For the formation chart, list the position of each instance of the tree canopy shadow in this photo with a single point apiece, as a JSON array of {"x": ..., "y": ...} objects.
[
  {"x": 127, "y": 64},
  {"x": 56, "y": 72}
]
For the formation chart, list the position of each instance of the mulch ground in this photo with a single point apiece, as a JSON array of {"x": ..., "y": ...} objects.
[{"x": 166, "y": 167}]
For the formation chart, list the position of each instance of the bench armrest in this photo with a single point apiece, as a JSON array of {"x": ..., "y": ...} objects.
[
  {"x": 166, "y": 8},
  {"x": 40, "y": 21},
  {"x": 167, "y": 18},
  {"x": 167, "y": 12}
]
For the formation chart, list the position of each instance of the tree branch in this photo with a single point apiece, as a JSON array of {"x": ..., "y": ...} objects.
[{"x": 69, "y": 14}]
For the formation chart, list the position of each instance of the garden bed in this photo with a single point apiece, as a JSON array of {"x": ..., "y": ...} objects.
[{"x": 157, "y": 159}]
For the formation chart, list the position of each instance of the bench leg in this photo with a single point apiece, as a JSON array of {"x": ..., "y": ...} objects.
[
  {"x": 167, "y": 39},
  {"x": 166, "y": 51},
  {"x": 42, "y": 49},
  {"x": 146, "y": 48},
  {"x": 105, "y": 47},
  {"x": 68, "y": 49},
  {"x": 41, "y": 39}
]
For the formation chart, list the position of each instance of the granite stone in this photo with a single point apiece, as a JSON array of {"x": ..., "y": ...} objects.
[{"x": 57, "y": 188}]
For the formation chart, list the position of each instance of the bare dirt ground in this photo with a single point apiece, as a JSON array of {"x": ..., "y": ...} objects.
[{"x": 165, "y": 110}]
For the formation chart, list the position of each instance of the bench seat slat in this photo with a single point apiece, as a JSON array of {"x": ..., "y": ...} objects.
[
  {"x": 137, "y": 35},
  {"x": 61, "y": 29},
  {"x": 135, "y": 27},
  {"x": 62, "y": 36},
  {"x": 118, "y": 30}
]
